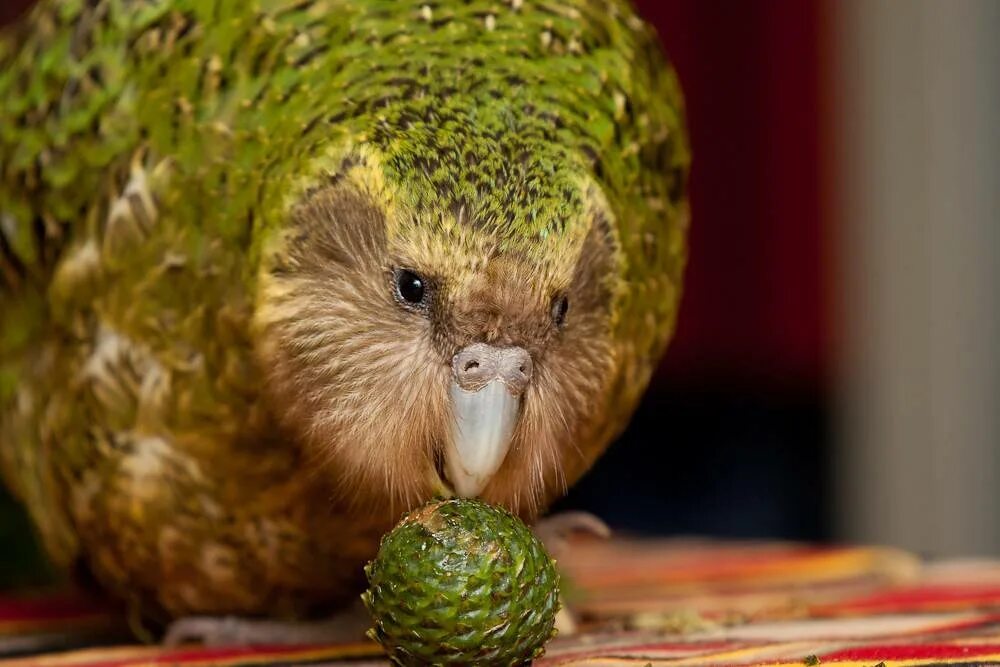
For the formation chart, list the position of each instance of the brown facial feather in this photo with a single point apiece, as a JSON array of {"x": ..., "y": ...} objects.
[
  {"x": 364, "y": 380},
  {"x": 339, "y": 353}
]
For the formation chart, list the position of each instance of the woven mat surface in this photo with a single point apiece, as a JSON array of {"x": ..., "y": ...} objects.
[{"x": 645, "y": 603}]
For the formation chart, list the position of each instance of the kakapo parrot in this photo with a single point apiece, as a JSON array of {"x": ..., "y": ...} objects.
[{"x": 274, "y": 271}]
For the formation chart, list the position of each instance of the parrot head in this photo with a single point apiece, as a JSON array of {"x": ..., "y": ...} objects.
[{"x": 436, "y": 314}]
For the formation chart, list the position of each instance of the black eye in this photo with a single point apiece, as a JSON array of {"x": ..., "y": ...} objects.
[
  {"x": 559, "y": 307},
  {"x": 410, "y": 287}
]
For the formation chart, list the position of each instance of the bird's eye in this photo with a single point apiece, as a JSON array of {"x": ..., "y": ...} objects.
[
  {"x": 559, "y": 307},
  {"x": 410, "y": 287}
]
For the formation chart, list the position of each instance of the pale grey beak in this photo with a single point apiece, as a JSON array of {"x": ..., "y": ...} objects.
[{"x": 486, "y": 403}]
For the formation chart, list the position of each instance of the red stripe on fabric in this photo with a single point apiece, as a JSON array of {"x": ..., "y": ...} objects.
[
  {"x": 602, "y": 649},
  {"x": 221, "y": 656},
  {"x": 913, "y": 651},
  {"x": 968, "y": 597},
  {"x": 640, "y": 651},
  {"x": 50, "y": 607},
  {"x": 715, "y": 568}
]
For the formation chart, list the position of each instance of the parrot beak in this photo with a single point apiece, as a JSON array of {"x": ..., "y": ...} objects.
[{"x": 486, "y": 403}]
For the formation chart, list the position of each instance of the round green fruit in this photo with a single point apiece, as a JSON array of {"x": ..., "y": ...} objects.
[{"x": 460, "y": 582}]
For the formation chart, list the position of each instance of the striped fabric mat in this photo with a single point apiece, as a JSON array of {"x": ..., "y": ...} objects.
[{"x": 645, "y": 603}]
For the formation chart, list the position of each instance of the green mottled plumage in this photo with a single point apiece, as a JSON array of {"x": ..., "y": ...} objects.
[{"x": 150, "y": 153}]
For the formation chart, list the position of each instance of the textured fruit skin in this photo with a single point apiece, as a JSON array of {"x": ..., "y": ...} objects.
[{"x": 465, "y": 583}]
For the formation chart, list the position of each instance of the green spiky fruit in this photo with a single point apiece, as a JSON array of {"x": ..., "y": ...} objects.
[{"x": 462, "y": 582}]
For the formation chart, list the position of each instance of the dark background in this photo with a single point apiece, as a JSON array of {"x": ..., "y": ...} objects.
[{"x": 733, "y": 437}]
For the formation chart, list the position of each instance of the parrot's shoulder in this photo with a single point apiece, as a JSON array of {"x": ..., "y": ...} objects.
[
  {"x": 65, "y": 125},
  {"x": 121, "y": 267},
  {"x": 88, "y": 90}
]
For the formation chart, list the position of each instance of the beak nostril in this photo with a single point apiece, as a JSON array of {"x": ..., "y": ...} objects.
[{"x": 477, "y": 365}]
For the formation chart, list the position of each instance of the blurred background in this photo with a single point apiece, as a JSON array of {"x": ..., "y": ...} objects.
[{"x": 836, "y": 371}]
